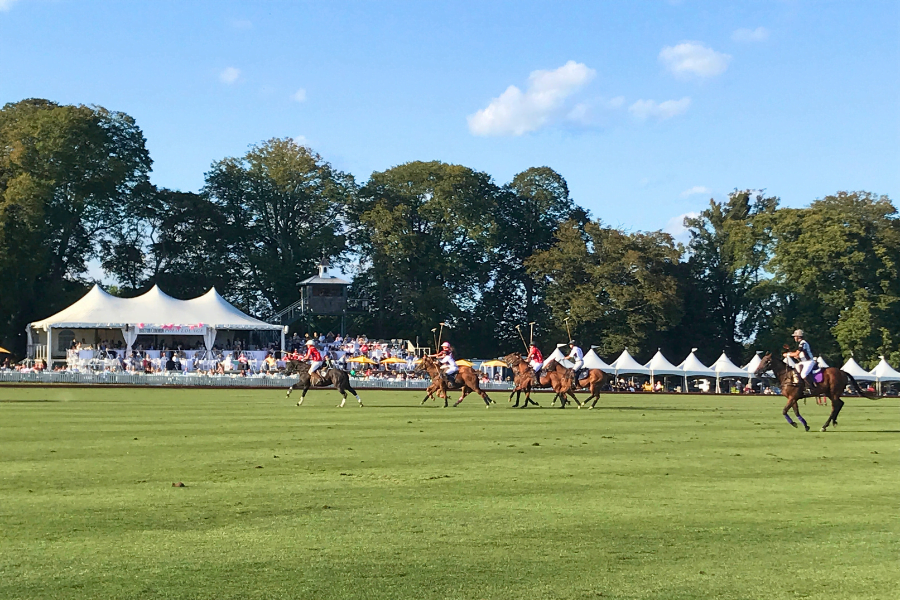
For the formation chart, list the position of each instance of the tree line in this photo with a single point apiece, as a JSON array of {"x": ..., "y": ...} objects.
[{"x": 427, "y": 242}]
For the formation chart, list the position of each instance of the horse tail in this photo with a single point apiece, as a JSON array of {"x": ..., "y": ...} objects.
[{"x": 858, "y": 389}]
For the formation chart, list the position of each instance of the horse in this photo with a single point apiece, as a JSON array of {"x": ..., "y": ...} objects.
[
  {"x": 832, "y": 385},
  {"x": 466, "y": 381},
  {"x": 523, "y": 379},
  {"x": 594, "y": 382},
  {"x": 559, "y": 378},
  {"x": 323, "y": 378}
]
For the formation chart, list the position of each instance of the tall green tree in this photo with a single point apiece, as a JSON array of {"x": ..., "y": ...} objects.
[
  {"x": 68, "y": 175},
  {"x": 618, "y": 289},
  {"x": 836, "y": 266},
  {"x": 423, "y": 233},
  {"x": 727, "y": 253},
  {"x": 178, "y": 240},
  {"x": 530, "y": 209},
  {"x": 284, "y": 209}
]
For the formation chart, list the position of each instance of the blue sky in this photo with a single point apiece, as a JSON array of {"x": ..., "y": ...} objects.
[{"x": 647, "y": 108}]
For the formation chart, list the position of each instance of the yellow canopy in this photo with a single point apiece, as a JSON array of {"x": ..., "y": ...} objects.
[
  {"x": 4, "y": 351},
  {"x": 363, "y": 359},
  {"x": 493, "y": 363},
  {"x": 393, "y": 360},
  {"x": 463, "y": 363}
]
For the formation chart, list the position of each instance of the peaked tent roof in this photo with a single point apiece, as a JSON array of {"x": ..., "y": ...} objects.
[
  {"x": 691, "y": 366},
  {"x": 852, "y": 367},
  {"x": 592, "y": 361},
  {"x": 559, "y": 357},
  {"x": 102, "y": 310},
  {"x": 725, "y": 368},
  {"x": 626, "y": 364},
  {"x": 751, "y": 366},
  {"x": 885, "y": 372},
  {"x": 658, "y": 365}
]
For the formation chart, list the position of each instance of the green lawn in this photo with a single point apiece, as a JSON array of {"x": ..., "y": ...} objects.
[{"x": 643, "y": 497}]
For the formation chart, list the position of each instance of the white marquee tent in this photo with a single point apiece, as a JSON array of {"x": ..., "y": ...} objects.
[
  {"x": 559, "y": 357},
  {"x": 852, "y": 367},
  {"x": 626, "y": 364},
  {"x": 658, "y": 365},
  {"x": 724, "y": 368},
  {"x": 592, "y": 361},
  {"x": 152, "y": 313},
  {"x": 885, "y": 372}
]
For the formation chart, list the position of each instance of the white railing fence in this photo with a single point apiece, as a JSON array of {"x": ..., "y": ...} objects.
[{"x": 179, "y": 379}]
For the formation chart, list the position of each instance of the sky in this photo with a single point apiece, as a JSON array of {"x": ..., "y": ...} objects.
[{"x": 647, "y": 108}]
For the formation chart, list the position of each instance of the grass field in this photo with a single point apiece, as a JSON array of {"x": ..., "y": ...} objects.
[{"x": 647, "y": 497}]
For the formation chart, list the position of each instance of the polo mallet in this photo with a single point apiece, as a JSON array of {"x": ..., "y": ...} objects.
[
  {"x": 434, "y": 337},
  {"x": 531, "y": 336},
  {"x": 441, "y": 333},
  {"x": 568, "y": 331},
  {"x": 519, "y": 329}
]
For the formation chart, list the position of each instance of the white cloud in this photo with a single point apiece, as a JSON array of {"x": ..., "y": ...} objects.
[
  {"x": 645, "y": 109},
  {"x": 229, "y": 75},
  {"x": 616, "y": 102},
  {"x": 759, "y": 34},
  {"x": 697, "y": 189},
  {"x": 301, "y": 140},
  {"x": 694, "y": 59},
  {"x": 675, "y": 227},
  {"x": 515, "y": 112},
  {"x": 299, "y": 95},
  {"x": 5, "y": 5}
]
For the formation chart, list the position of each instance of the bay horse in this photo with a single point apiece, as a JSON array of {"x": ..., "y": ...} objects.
[
  {"x": 560, "y": 379},
  {"x": 324, "y": 377},
  {"x": 466, "y": 381},
  {"x": 792, "y": 386},
  {"x": 523, "y": 379},
  {"x": 594, "y": 383}
]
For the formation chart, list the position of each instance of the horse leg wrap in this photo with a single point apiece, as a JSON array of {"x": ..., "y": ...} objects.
[{"x": 788, "y": 417}]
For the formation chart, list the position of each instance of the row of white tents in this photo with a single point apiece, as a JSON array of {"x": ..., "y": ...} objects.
[{"x": 723, "y": 368}]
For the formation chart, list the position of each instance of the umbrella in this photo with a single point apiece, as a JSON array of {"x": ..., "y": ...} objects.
[
  {"x": 363, "y": 359},
  {"x": 393, "y": 360},
  {"x": 463, "y": 363},
  {"x": 493, "y": 363},
  {"x": 4, "y": 351}
]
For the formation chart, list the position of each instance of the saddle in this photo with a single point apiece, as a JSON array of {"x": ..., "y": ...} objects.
[{"x": 582, "y": 373}]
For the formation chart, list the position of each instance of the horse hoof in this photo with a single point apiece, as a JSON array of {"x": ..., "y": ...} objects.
[
  {"x": 300, "y": 403},
  {"x": 794, "y": 425},
  {"x": 807, "y": 427},
  {"x": 823, "y": 430}
]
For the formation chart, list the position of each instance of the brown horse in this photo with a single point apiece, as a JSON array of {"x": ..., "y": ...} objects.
[
  {"x": 466, "y": 381},
  {"x": 594, "y": 382},
  {"x": 523, "y": 380},
  {"x": 792, "y": 386},
  {"x": 560, "y": 379}
]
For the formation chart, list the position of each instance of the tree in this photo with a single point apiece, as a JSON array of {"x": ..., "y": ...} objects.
[
  {"x": 727, "y": 252},
  {"x": 285, "y": 206},
  {"x": 67, "y": 177},
  {"x": 530, "y": 210},
  {"x": 422, "y": 232},
  {"x": 836, "y": 264},
  {"x": 617, "y": 289},
  {"x": 178, "y": 240}
]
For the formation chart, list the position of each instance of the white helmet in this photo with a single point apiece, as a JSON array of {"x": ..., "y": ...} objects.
[
  {"x": 445, "y": 345},
  {"x": 310, "y": 343},
  {"x": 797, "y": 333}
]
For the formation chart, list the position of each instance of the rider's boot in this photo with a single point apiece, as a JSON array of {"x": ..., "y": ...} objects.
[{"x": 810, "y": 385}]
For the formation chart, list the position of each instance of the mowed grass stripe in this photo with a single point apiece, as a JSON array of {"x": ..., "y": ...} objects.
[{"x": 643, "y": 497}]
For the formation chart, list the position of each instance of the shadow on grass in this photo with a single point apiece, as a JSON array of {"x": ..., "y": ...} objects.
[{"x": 27, "y": 400}]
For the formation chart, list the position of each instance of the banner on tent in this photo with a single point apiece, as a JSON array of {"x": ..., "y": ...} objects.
[{"x": 197, "y": 329}]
